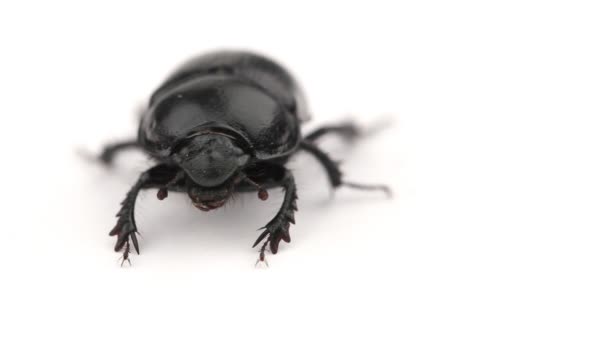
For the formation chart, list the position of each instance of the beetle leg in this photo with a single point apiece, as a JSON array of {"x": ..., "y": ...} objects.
[
  {"x": 331, "y": 167},
  {"x": 109, "y": 151},
  {"x": 334, "y": 173},
  {"x": 126, "y": 229},
  {"x": 125, "y": 255},
  {"x": 346, "y": 130},
  {"x": 277, "y": 229},
  {"x": 262, "y": 257}
]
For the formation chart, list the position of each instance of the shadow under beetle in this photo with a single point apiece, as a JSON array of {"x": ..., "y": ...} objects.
[{"x": 223, "y": 123}]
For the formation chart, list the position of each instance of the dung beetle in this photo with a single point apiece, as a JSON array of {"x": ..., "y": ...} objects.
[{"x": 225, "y": 123}]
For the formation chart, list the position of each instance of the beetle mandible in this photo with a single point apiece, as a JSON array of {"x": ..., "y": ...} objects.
[{"x": 224, "y": 123}]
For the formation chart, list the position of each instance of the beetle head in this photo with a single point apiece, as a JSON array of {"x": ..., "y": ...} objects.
[{"x": 210, "y": 159}]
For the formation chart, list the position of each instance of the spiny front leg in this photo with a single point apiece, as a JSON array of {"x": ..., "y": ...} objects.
[
  {"x": 277, "y": 229},
  {"x": 126, "y": 229}
]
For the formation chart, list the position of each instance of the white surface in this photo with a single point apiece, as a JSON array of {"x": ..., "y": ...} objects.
[{"x": 498, "y": 158}]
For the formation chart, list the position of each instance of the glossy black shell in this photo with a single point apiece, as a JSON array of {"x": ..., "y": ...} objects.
[{"x": 248, "y": 95}]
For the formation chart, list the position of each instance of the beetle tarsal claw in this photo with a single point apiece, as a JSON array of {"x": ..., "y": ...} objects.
[
  {"x": 262, "y": 257},
  {"x": 265, "y": 262},
  {"x": 370, "y": 187},
  {"x": 125, "y": 254},
  {"x": 125, "y": 259}
]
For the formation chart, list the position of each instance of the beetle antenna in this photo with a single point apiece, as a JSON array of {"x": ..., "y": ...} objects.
[
  {"x": 163, "y": 191},
  {"x": 262, "y": 192}
]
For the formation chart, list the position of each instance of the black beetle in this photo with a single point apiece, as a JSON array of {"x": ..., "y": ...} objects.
[{"x": 223, "y": 123}]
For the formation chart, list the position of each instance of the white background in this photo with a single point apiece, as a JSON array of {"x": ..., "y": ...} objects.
[{"x": 498, "y": 156}]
